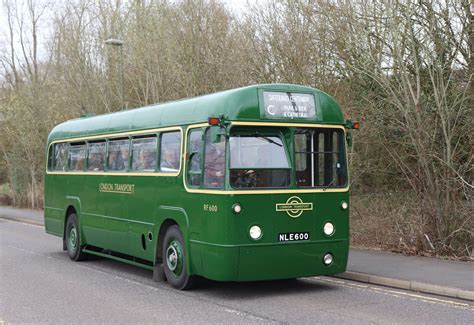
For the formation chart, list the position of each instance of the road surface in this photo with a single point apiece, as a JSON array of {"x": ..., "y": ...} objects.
[{"x": 39, "y": 284}]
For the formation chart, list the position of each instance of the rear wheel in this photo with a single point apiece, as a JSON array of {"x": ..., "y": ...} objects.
[
  {"x": 73, "y": 239},
  {"x": 174, "y": 260}
]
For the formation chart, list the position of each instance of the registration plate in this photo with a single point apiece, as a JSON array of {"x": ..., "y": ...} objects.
[{"x": 294, "y": 236}]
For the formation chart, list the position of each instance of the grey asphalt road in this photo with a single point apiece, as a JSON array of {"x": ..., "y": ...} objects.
[{"x": 39, "y": 284}]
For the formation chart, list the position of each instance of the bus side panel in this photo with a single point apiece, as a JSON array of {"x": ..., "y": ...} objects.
[
  {"x": 139, "y": 207},
  {"x": 179, "y": 215},
  {"x": 106, "y": 223},
  {"x": 219, "y": 262},
  {"x": 53, "y": 221},
  {"x": 93, "y": 210},
  {"x": 54, "y": 204}
]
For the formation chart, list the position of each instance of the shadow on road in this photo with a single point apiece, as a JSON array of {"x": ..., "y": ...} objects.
[
  {"x": 215, "y": 289},
  {"x": 259, "y": 289}
]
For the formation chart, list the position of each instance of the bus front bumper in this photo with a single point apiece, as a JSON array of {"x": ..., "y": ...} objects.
[{"x": 267, "y": 261}]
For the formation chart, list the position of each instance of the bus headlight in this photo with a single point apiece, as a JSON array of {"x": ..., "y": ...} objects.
[
  {"x": 236, "y": 208},
  {"x": 344, "y": 205},
  {"x": 328, "y": 228},
  {"x": 255, "y": 232},
  {"x": 327, "y": 259}
]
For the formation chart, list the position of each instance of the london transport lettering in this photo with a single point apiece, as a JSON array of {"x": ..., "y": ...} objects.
[
  {"x": 117, "y": 188},
  {"x": 294, "y": 206}
]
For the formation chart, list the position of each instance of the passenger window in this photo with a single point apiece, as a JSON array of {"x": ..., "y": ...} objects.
[
  {"x": 60, "y": 156},
  {"x": 170, "y": 151},
  {"x": 77, "y": 156},
  {"x": 214, "y": 162},
  {"x": 96, "y": 157},
  {"x": 144, "y": 152},
  {"x": 118, "y": 155},
  {"x": 194, "y": 152}
]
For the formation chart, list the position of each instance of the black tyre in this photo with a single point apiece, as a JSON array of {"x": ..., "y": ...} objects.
[
  {"x": 174, "y": 260},
  {"x": 73, "y": 239}
]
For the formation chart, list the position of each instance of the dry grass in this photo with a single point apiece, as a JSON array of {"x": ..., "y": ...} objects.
[
  {"x": 397, "y": 222},
  {"x": 22, "y": 199},
  {"x": 6, "y": 194}
]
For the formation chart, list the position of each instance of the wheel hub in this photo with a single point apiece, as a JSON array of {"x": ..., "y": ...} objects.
[
  {"x": 174, "y": 257},
  {"x": 72, "y": 242}
]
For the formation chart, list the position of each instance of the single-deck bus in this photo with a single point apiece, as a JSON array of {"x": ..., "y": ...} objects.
[{"x": 241, "y": 185}]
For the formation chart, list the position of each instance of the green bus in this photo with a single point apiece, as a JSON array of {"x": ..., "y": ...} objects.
[{"x": 242, "y": 185}]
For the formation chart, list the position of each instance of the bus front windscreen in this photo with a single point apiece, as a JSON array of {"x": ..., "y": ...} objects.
[{"x": 258, "y": 161}]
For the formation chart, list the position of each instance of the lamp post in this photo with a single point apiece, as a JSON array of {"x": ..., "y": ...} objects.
[{"x": 119, "y": 43}]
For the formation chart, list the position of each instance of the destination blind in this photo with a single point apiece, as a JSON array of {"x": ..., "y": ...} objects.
[{"x": 289, "y": 105}]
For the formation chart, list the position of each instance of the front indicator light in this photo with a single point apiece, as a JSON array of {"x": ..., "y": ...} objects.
[
  {"x": 344, "y": 205},
  {"x": 328, "y": 259},
  {"x": 255, "y": 232},
  {"x": 236, "y": 208},
  {"x": 328, "y": 229}
]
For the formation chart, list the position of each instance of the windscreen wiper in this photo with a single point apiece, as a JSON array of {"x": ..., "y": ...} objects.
[
  {"x": 329, "y": 185},
  {"x": 269, "y": 140}
]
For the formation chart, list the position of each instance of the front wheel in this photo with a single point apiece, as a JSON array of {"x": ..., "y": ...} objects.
[
  {"x": 174, "y": 260},
  {"x": 73, "y": 239}
]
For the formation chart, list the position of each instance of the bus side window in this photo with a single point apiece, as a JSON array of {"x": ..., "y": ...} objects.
[
  {"x": 60, "y": 156},
  {"x": 50, "y": 157},
  {"x": 214, "y": 162},
  {"x": 118, "y": 155},
  {"x": 96, "y": 157},
  {"x": 170, "y": 152},
  {"x": 144, "y": 154},
  {"x": 77, "y": 156},
  {"x": 194, "y": 154}
]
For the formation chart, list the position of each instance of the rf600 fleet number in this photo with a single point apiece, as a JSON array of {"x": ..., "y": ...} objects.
[{"x": 293, "y": 236}]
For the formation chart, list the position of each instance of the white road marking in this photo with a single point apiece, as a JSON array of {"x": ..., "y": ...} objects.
[
  {"x": 29, "y": 252},
  {"x": 398, "y": 294},
  {"x": 243, "y": 314},
  {"x": 23, "y": 223}
]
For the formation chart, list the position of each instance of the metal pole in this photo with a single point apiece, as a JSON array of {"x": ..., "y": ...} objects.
[
  {"x": 121, "y": 77},
  {"x": 117, "y": 42}
]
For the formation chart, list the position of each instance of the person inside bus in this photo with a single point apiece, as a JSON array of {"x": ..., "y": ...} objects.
[
  {"x": 169, "y": 160},
  {"x": 79, "y": 164},
  {"x": 118, "y": 158},
  {"x": 114, "y": 162},
  {"x": 146, "y": 160},
  {"x": 214, "y": 169},
  {"x": 95, "y": 160}
]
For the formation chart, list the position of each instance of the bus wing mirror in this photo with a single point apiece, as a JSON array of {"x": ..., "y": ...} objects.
[{"x": 349, "y": 139}]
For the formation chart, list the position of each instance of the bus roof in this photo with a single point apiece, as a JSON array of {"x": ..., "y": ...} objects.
[{"x": 240, "y": 104}]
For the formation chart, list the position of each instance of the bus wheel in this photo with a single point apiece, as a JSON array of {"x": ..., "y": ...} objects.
[
  {"x": 174, "y": 260},
  {"x": 73, "y": 239}
]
